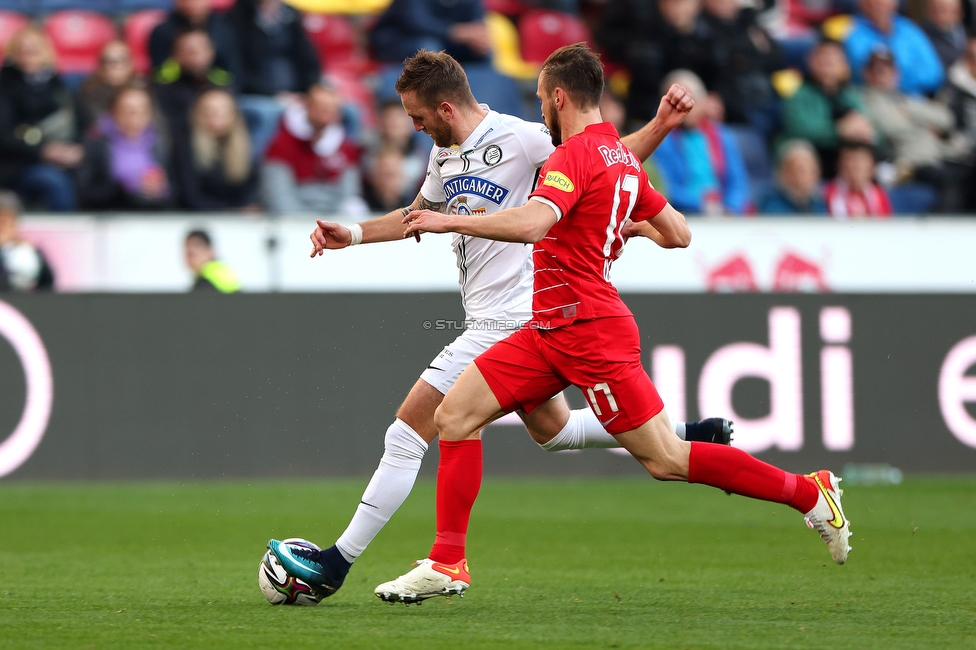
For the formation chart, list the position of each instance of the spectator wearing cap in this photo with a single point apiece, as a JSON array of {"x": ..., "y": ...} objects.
[
  {"x": 853, "y": 194},
  {"x": 919, "y": 131},
  {"x": 455, "y": 26},
  {"x": 878, "y": 23},
  {"x": 23, "y": 267},
  {"x": 797, "y": 188},
  {"x": 196, "y": 14},
  {"x": 312, "y": 164}
]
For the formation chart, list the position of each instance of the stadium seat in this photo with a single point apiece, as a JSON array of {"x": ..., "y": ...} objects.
[
  {"x": 506, "y": 53},
  {"x": 136, "y": 30},
  {"x": 10, "y": 23},
  {"x": 25, "y": 7},
  {"x": 336, "y": 40},
  {"x": 130, "y": 6},
  {"x": 510, "y": 8},
  {"x": 45, "y": 7},
  {"x": 78, "y": 38},
  {"x": 542, "y": 31}
]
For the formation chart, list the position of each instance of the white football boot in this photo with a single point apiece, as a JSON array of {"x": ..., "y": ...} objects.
[
  {"x": 827, "y": 517},
  {"x": 426, "y": 580}
]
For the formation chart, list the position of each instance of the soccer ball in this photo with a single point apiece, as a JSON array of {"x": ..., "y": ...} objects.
[{"x": 279, "y": 587}]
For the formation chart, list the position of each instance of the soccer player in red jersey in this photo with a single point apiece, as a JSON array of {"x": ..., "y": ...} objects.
[{"x": 593, "y": 193}]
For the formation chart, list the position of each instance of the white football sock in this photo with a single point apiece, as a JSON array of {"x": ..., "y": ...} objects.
[
  {"x": 387, "y": 490},
  {"x": 584, "y": 431}
]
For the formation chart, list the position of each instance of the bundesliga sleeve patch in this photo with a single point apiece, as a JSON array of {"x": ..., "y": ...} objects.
[{"x": 560, "y": 181}]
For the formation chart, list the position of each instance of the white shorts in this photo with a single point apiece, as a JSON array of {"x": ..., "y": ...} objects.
[{"x": 447, "y": 366}]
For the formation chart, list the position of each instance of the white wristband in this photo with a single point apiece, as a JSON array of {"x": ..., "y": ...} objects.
[{"x": 356, "y": 232}]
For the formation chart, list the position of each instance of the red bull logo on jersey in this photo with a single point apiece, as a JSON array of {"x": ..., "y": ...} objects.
[
  {"x": 478, "y": 186},
  {"x": 619, "y": 155}
]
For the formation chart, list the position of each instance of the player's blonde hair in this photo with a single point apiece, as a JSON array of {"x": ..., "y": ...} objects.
[
  {"x": 577, "y": 70},
  {"x": 435, "y": 77}
]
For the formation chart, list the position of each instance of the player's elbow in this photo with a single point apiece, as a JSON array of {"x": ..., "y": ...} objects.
[
  {"x": 682, "y": 238},
  {"x": 534, "y": 229},
  {"x": 535, "y": 233},
  {"x": 538, "y": 217}
]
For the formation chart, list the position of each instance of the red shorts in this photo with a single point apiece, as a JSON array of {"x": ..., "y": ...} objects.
[{"x": 601, "y": 357}]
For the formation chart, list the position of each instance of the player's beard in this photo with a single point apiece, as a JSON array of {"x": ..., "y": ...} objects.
[
  {"x": 552, "y": 121},
  {"x": 440, "y": 133}
]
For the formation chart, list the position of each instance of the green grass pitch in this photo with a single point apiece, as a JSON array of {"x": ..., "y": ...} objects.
[{"x": 593, "y": 563}]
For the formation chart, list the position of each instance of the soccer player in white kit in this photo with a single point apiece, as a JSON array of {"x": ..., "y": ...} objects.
[{"x": 482, "y": 162}]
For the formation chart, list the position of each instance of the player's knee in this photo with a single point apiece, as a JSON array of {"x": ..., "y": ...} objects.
[
  {"x": 539, "y": 431},
  {"x": 448, "y": 422}
]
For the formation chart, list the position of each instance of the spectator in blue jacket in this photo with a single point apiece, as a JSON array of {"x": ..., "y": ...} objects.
[
  {"x": 700, "y": 162},
  {"x": 456, "y": 26},
  {"x": 877, "y": 24}
]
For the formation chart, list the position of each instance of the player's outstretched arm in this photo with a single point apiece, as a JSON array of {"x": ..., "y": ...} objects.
[
  {"x": 389, "y": 227},
  {"x": 671, "y": 112},
  {"x": 668, "y": 229},
  {"x": 526, "y": 224}
]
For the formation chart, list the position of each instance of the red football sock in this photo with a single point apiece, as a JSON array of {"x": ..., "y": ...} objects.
[
  {"x": 737, "y": 472},
  {"x": 458, "y": 482}
]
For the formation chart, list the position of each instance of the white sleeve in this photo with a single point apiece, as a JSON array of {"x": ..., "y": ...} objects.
[
  {"x": 433, "y": 187},
  {"x": 537, "y": 141}
]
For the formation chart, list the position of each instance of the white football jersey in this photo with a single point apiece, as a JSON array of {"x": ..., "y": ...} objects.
[{"x": 495, "y": 168}]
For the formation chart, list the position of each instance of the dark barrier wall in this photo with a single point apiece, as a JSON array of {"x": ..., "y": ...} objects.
[{"x": 306, "y": 385}]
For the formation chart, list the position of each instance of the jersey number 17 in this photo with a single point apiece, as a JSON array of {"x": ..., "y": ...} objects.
[{"x": 630, "y": 184}]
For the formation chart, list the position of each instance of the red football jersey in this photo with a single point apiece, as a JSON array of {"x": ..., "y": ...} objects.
[{"x": 595, "y": 184}]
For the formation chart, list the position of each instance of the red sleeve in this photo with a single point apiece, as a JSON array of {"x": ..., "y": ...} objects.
[
  {"x": 564, "y": 177},
  {"x": 650, "y": 202}
]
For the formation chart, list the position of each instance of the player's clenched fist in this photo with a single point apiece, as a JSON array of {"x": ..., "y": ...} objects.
[
  {"x": 675, "y": 105},
  {"x": 328, "y": 234}
]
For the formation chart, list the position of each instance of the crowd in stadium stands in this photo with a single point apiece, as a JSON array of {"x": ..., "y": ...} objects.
[{"x": 849, "y": 108}]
